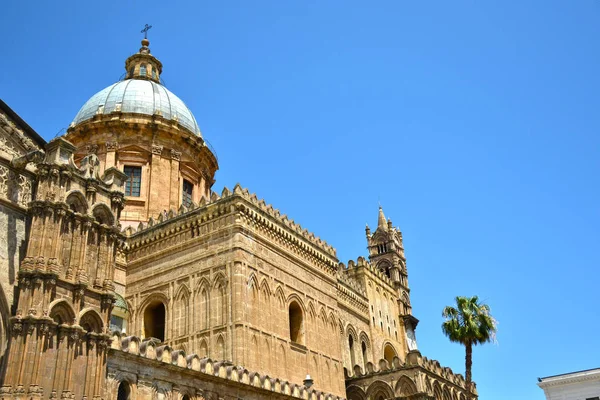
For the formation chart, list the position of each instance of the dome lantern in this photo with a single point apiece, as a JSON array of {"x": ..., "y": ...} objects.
[{"x": 143, "y": 65}]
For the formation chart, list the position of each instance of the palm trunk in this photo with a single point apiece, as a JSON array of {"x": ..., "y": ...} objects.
[{"x": 468, "y": 364}]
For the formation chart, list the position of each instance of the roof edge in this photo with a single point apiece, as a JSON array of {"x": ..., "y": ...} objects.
[{"x": 22, "y": 124}]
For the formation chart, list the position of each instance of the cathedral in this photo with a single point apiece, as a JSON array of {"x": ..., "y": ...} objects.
[{"x": 124, "y": 274}]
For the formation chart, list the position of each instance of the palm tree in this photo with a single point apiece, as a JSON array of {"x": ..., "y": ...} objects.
[{"x": 469, "y": 323}]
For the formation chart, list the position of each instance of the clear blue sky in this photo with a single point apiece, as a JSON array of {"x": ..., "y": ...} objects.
[{"x": 476, "y": 125}]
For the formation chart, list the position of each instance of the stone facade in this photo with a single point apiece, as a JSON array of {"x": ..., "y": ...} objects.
[
  {"x": 172, "y": 290},
  {"x": 17, "y": 182}
]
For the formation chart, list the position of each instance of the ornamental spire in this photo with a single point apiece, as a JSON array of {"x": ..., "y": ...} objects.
[{"x": 381, "y": 221}]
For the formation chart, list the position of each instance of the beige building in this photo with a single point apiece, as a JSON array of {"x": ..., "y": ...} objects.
[{"x": 134, "y": 278}]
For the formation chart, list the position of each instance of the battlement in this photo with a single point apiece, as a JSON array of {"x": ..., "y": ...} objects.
[
  {"x": 238, "y": 191},
  {"x": 413, "y": 360},
  {"x": 254, "y": 212},
  {"x": 362, "y": 262},
  {"x": 210, "y": 369}
]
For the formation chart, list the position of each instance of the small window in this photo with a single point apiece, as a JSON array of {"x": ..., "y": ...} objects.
[
  {"x": 296, "y": 323},
  {"x": 117, "y": 323},
  {"x": 186, "y": 196},
  {"x": 131, "y": 72},
  {"x": 134, "y": 180},
  {"x": 154, "y": 76},
  {"x": 143, "y": 70}
]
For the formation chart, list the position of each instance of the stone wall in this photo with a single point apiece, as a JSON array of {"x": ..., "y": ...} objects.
[
  {"x": 226, "y": 274},
  {"x": 16, "y": 191}
]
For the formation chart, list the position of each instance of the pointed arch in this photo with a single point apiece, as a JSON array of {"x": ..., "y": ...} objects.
[
  {"x": 389, "y": 352},
  {"x": 327, "y": 376},
  {"x": 311, "y": 311},
  {"x": 181, "y": 308},
  {"x": 266, "y": 355},
  {"x": 62, "y": 312},
  {"x": 202, "y": 305},
  {"x": 405, "y": 387},
  {"x": 446, "y": 393},
  {"x": 265, "y": 289},
  {"x": 77, "y": 202},
  {"x": 351, "y": 343},
  {"x": 264, "y": 315},
  {"x": 102, "y": 213},
  {"x": 91, "y": 321},
  {"x": 254, "y": 352},
  {"x": 280, "y": 295},
  {"x": 355, "y": 393},
  {"x": 282, "y": 361},
  {"x": 296, "y": 314},
  {"x": 220, "y": 299},
  {"x": 437, "y": 391},
  {"x": 380, "y": 390},
  {"x": 221, "y": 350},
  {"x": 323, "y": 316},
  {"x": 203, "y": 348}
]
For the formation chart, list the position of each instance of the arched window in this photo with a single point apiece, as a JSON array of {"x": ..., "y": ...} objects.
[
  {"x": 296, "y": 323},
  {"x": 389, "y": 353},
  {"x": 143, "y": 70},
  {"x": 364, "y": 354},
  {"x": 186, "y": 397},
  {"x": 154, "y": 76},
  {"x": 124, "y": 392},
  {"x": 351, "y": 347},
  {"x": 131, "y": 72},
  {"x": 154, "y": 321}
]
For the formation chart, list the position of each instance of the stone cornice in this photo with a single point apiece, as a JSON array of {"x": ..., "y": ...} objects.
[{"x": 570, "y": 378}]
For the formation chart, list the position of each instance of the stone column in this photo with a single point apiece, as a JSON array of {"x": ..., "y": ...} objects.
[
  {"x": 111, "y": 155},
  {"x": 175, "y": 192},
  {"x": 158, "y": 183}
]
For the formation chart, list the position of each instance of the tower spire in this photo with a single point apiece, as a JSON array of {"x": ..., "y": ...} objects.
[{"x": 381, "y": 221}]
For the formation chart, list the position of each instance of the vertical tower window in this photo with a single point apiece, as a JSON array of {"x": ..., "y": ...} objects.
[
  {"x": 186, "y": 195},
  {"x": 296, "y": 322},
  {"x": 154, "y": 76},
  {"x": 134, "y": 180},
  {"x": 351, "y": 347},
  {"x": 154, "y": 321},
  {"x": 143, "y": 70},
  {"x": 131, "y": 72}
]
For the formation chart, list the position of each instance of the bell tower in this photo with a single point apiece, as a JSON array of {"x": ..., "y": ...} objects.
[{"x": 386, "y": 252}]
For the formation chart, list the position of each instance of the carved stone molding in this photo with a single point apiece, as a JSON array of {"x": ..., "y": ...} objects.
[
  {"x": 157, "y": 149},
  {"x": 112, "y": 146},
  {"x": 176, "y": 155}
]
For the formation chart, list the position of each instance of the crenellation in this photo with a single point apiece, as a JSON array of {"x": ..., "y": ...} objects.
[{"x": 203, "y": 369}]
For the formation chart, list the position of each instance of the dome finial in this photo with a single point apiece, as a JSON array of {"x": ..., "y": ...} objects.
[
  {"x": 145, "y": 31},
  {"x": 145, "y": 41}
]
